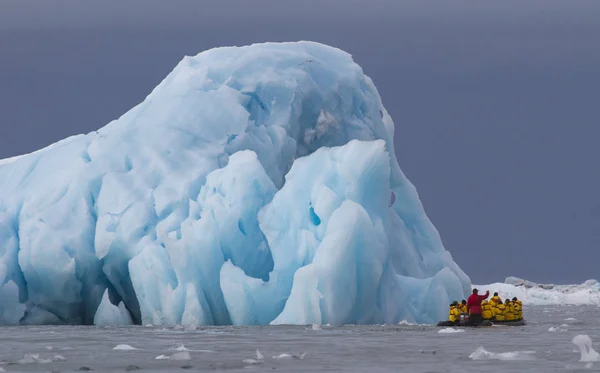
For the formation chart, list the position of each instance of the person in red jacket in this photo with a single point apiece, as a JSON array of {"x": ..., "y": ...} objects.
[{"x": 474, "y": 306}]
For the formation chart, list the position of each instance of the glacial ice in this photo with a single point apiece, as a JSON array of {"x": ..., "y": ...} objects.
[
  {"x": 587, "y": 293},
  {"x": 254, "y": 185}
]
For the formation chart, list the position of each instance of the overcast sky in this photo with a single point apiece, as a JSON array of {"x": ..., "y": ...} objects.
[{"x": 496, "y": 105}]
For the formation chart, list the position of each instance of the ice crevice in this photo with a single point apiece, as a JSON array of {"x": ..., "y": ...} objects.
[{"x": 249, "y": 187}]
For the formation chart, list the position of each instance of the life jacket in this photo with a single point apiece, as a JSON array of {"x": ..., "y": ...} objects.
[
  {"x": 499, "y": 312},
  {"x": 463, "y": 308},
  {"x": 517, "y": 305},
  {"x": 453, "y": 314},
  {"x": 496, "y": 299},
  {"x": 509, "y": 315},
  {"x": 486, "y": 310}
]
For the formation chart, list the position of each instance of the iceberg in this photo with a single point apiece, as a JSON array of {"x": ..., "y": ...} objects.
[
  {"x": 587, "y": 293},
  {"x": 253, "y": 185}
]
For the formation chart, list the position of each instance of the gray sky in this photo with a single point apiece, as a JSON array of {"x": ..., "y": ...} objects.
[{"x": 496, "y": 105}]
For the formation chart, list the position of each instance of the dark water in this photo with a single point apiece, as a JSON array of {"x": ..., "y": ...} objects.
[{"x": 388, "y": 348}]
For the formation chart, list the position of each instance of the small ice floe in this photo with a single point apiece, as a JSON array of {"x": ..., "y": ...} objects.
[
  {"x": 36, "y": 359},
  {"x": 259, "y": 359},
  {"x": 124, "y": 348},
  {"x": 316, "y": 327},
  {"x": 482, "y": 354},
  {"x": 178, "y": 327},
  {"x": 182, "y": 355},
  {"x": 282, "y": 356},
  {"x": 572, "y": 320},
  {"x": 149, "y": 326},
  {"x": 406, "y": 323},
  {"x": 48, "y": 347},
  {"x": 587, "y": 352},
  {"x": 299, "y": 356},
  {"x": 2, "y": 369},
  {"x": 557, "y": 329},
  {"x": 451, "y": 331},
  {"x": 191, "y": 328},
  {"x": 179, "y": 347}
]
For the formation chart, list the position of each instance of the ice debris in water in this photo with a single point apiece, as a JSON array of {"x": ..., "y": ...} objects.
[
  {"x": 316, "y": 327},
  {"x": 482, "y": 354},
  {"x": 450, "y": 331},
  {"x": 182, "y": 355},
  {"x": 36, "y": 359},
  {"x": 259, "y": 359},
  {"x": 587, "y": 352},
  {"x": 179, "y": 347},
  {"x": 561, "y": 328},
  {"x": 245, "y": 176},
  {"x": 124, "y": 347}
]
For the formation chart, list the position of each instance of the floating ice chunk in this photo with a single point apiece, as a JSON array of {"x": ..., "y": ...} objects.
[
  {"x": 124, "y": 347},
  {"x": 252, "y": 361},
  {"x": 282, "y": 356},
  {"x": 584, "y": 343},
  {"x": 244, "y": 177},
  {"x": 259, "y": 359},
  {"x": 182, "y": 355},
  {"x": 450, "y": 331},
  {"x": 36, "y": 359},
  {"x": 299, "y": 356},
  {"x": 316, "y": 327},
  {"x": 405, "y": 322},
  {"x": 179, "y": 347},
  {"x": 561, "y": 328},
  {"x": 482, "y": 354}
]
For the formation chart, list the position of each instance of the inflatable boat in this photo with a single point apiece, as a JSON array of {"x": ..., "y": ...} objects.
[{"x": 467, "y": 323}]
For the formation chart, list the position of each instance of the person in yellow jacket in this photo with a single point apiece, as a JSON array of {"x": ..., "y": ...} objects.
[
  {"x": 463, "y": 306},
  {"x": 509, "y": 314},
  {"x": 499, "y": 311},
  {"x": 454, "y": 312},
  {"x": 496, "y": 299},
  {"x": 518, "y": 306},
  {"x": 486, "y": 310}
]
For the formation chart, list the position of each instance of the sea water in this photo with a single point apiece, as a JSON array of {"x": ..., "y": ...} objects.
[{"x": 544, "y": 345}]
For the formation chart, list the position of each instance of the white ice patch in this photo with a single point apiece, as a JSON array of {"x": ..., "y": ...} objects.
[
  {"x": 561, "y": 328},
  {"x": 124, "y": 347},
  {"x": 37, "y": 359},
  {"x": 587, "y": 352},
  {"x": 450, "y": 331},
  {"x": 482, "y": 354},
  {"x": 259, "y": 359},
  {"x": 530, "y": 293},
  {"x": 179, "y": 347},
  {"x": 182, "y": 355}
]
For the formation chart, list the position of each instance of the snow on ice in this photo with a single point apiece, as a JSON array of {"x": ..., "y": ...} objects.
[
  {"x": 247, "y": 188},
  {"x": 531, "y": 293}
]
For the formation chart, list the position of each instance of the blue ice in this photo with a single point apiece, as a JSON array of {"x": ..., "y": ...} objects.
[{"x": 254, "y": 185}]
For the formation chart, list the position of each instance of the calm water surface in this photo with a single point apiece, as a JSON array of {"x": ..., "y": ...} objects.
[{"x": 386, "y": 348}]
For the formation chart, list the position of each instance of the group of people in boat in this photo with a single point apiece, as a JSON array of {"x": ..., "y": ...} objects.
[{"x": 478, "y": 309}]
